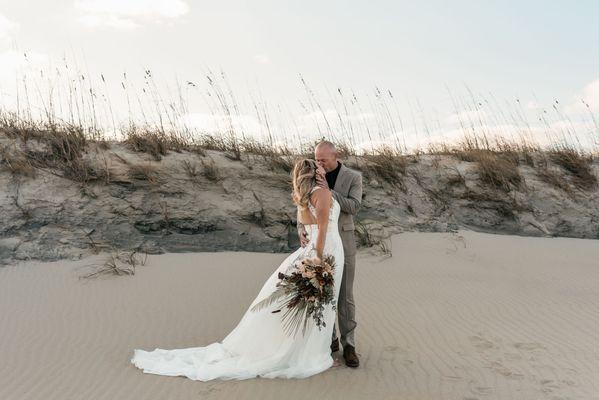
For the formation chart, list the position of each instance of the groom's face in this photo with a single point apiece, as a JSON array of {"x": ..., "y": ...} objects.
[{"x": 326, "y": 157}]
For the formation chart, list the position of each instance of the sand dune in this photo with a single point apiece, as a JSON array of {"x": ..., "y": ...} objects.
[{"x": 449, "y": 316}]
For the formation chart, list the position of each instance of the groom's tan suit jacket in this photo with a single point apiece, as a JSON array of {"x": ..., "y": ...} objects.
[{"x": 348, "y": 193}]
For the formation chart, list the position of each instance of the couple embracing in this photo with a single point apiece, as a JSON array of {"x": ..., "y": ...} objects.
[{"x": 327, "y": 195}]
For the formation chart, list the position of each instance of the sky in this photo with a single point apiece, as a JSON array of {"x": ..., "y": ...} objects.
[{"x": 378, "y": 70}]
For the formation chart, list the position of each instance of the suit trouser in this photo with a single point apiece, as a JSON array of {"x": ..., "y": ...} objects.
[{"x": 346, "y": 308}]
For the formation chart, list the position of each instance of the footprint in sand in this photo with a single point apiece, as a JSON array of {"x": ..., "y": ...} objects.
[
  {"x": 492, "y": 359},
  {"x": 393, "y": 350},
  {"x": 512, "y": 356},
  {"x": 209, "y": 390},
  {"x": 501, "y": 369},
  {"x": 481, "y": 343},
  {"x": 479, "y": 390},
  {"x": 529, "y": 346}
]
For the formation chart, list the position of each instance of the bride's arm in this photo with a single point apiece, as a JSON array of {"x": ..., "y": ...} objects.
[
  {"x": 301, "y": 230},
  {"x": 322, "y": 202}
]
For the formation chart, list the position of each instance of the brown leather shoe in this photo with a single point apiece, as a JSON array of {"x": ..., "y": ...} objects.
[
  {"x": 350, "y": 356},
  {"x": 335, "y": 345}
]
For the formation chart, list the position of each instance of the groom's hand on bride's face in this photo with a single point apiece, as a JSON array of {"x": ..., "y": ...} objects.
[{"x": 321, "y": 181}]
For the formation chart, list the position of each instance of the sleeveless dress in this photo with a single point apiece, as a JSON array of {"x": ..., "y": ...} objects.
[{"x": 258, "y": 346}]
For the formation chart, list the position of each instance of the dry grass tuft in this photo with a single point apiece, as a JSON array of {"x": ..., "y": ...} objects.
[
  {"x": 368, "y": 238},
  {"x": 143, "y": 172},
  {"x": 554, "y": 178},
  {"x": 455, "y": 179},
  {"x": 15, "y": 162},
  {"x": 577, "y": 164},
  {"x": 197, "y": 149},
  {"x": 258, "y": 217},
  {"x": 234, "y": 153},
  {"x": 210, "y": 170},
  {"x": 103, "y": 144},
  {"x": 118, "y": 263},
  {"x": 235, "y": 148},
  {"x": 153, "y": 142},
  {"x": 191, "y": 169},
  {"x": 232, "y": 147},
  {"x": 276, "y": 162},
  {"x": 388, "y": 164},
  {"x": 345, "y": 150},
  {"x": 496, "y": 169},
  {"x": 65, "y": 146},
  {"x": 64, "y": 150},
  {"x": 552, "y": 175},
  {"x": 503, "y": 207},
  {"x": 469, "y": 149},
  {"x": 83, "y": 171}
]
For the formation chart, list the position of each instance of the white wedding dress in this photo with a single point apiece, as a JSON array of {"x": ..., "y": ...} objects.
[{"x": 258, "y": 345}]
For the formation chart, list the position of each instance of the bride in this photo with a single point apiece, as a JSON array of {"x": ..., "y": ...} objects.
[{"x": 258, "y": 346}]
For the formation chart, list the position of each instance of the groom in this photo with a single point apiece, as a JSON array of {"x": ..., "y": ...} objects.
[{"x": 346, "y": 186}]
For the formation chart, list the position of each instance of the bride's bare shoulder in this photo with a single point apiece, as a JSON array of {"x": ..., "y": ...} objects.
[
  {"x": 320, "y": 194},
  {"x": 319, "y": 191}
]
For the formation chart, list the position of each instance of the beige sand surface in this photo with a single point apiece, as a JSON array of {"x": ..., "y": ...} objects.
[{"x": 449, "y": 316}]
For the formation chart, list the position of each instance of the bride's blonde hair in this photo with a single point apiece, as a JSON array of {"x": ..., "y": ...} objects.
[{"x": 304, "y": 180}]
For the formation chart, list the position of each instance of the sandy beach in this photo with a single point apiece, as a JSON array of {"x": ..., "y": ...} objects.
[{"x": 449, "y": 316}]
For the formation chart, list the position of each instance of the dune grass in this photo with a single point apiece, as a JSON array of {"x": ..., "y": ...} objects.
[
  {"x": 210, "y": 170},
  {"x": 143, "y": 172},
  {"x": 62, "y": 150},
  {"x": 577, "y": 164},
  {"x": 369, "y": 133}
]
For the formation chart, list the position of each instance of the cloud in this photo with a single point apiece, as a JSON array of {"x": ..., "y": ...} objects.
[
  {"x": 16, "y": 65},
  {"x": 332, "y": 117},
  {"x": 216, "y": 123},
  {"x": 13, "y": 62},
  {"x": 7, "y": 28},
  {"x": 465, "y": 116},
  {"x": 129, "y": 14},
  {"x": 588, "y": 95},
  {"x": 262, "y": 59}
]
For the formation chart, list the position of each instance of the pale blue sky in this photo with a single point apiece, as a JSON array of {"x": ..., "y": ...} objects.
[{"x": 415, "y": 49}]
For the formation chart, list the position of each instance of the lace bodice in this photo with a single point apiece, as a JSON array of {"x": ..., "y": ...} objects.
[{"x": 333, "y": 214}]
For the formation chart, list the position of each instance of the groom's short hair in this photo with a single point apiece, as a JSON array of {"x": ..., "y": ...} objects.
[{"x": 328, "y": 144}]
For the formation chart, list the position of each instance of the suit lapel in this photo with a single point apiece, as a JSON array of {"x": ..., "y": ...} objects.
[{"x": 340, "y": 177}]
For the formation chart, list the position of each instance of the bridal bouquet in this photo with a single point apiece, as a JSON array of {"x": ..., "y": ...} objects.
[{"x": 303, "y": 293}]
